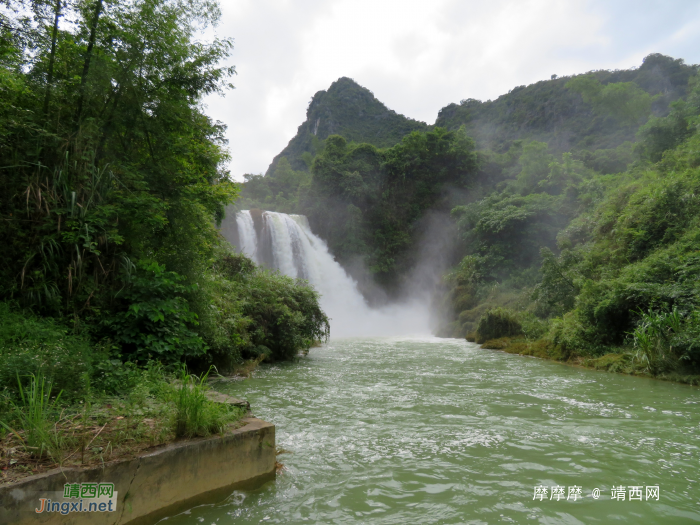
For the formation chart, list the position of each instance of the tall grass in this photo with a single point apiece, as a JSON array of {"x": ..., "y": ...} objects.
[
  {"x": 195, "y": 414},
  {"x": 37, "y": 419}
]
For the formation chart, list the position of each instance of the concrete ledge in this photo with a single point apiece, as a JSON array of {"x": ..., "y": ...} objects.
[{"x": 154, "y": 485}]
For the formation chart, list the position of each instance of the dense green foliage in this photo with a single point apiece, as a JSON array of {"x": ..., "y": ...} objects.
[
  {"x": 106, "y": 157},
  {"x": 368, "y": 202},
  {"x": 619, "y": 262},
  {"x": 255, "y": 312},
  {"x": 495, "y": 323},
  {"x": 556, "y": 111},
  {"x": 113, "y": 181},
  {"x": 282, "y": 190},
  {"x": 31, "y": 344},
  {"x": 155, "y": 320}
]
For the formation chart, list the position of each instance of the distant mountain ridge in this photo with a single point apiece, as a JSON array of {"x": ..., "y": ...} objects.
[
  {"x": 549, "y": 112},
  {"x": 546, "y": 111}
]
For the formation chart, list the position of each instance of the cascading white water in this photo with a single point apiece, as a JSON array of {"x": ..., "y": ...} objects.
[
  {"x": 246, "y": 234},
  {"x": 286, "y": 243}
]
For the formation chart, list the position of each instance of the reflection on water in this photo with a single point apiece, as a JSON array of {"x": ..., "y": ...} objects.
[{"x": 439, "y": 431}]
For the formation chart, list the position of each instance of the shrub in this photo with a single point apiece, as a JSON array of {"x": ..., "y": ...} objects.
[
  {"x": 256, "y": 311},
  {"x": 533, "y": 327},
  {"x": 112, "y": 376},
  {"x": 496, "y": 323},
  {"x": 155, "y": 321},
  {"x": 686, "y": 342},
  {"x": 43, "y": 347},
  {"x": 572, "y": 335},
  {"x": 654, "y": 337}
]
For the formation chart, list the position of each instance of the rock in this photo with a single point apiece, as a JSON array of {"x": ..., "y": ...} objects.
[{"x": 219, "y": 397}]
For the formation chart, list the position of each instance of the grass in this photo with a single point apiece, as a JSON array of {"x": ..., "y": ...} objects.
[
  {"x": 652, "y": 340},
  {"x": 622, "y": 362},
  {"x": 196, "y": 415},
  {"x": 42, "y": 433},
  {"x": 36, "y": 417}
]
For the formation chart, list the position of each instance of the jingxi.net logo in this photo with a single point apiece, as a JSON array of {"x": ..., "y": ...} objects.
[{"x": 80, "y": 497}]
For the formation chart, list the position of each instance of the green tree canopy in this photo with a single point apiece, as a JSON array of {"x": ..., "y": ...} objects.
[
  {"x": 105, "y": 154},
  {"x": 623, "y": 100}
]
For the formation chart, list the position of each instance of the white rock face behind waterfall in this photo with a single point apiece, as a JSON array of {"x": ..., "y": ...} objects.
[{"x": 286, "y": 243}]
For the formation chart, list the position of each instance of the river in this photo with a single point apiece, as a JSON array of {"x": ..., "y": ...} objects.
[{"x": 420, "y": 431}]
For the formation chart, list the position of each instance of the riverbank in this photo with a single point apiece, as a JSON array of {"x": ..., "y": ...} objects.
[
  {"x": 38, "y": 434},
  {"x": 155, "y": 484},
  {"x": 70, "y": 399},
  {"x": 622, "y": 362}
]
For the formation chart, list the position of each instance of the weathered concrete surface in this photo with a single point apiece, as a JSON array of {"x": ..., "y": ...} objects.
[
  {"x": 156, "y": 484},
  {"x": 220, "y": 397}
]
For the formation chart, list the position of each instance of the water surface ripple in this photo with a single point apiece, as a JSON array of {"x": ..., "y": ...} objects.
[{"x": 421, "y": 431}]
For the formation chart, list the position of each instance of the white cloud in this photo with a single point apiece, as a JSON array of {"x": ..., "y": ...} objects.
[{"x": 418, "y": 56}]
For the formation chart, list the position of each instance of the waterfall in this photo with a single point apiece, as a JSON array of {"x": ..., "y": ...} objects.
[
  {"x": 246, "y": 236},
  {"x": 286, "y": 243}
]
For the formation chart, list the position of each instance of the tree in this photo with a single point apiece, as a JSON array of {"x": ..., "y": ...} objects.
[
  {"x": 105, "y": 153},
  {"x": 623, "y": 100}
]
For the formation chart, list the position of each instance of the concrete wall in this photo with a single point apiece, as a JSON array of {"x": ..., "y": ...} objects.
[{"x": 156, "y": 484}]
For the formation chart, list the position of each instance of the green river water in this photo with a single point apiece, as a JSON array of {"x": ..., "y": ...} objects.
[{"x": 419, "y": 431}]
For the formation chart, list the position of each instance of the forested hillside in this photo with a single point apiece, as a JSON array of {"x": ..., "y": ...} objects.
[
  {"x": 620, "y": 256},
  {"x": 546, "y": 111},
  {"x": 574, "y": 203},
  {"x": 112, "y": 182},
  {"x": 603, "y": 110}
]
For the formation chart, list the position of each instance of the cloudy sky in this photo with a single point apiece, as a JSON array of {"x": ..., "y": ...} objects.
[{"x": 417, "y": 56}]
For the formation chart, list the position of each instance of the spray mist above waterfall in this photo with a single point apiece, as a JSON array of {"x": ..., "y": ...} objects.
[{"x": 286, "y": 243}]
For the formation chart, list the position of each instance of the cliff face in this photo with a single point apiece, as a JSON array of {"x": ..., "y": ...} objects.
[{"x": 352, "y": 111}]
